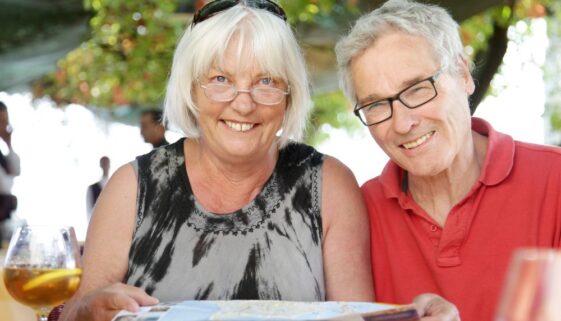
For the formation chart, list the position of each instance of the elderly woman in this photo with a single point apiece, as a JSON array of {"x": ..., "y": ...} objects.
[{"x": 238, "y": 209}]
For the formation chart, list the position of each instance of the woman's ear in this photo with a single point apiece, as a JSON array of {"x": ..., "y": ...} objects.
[{"x": 193, "y": 93}]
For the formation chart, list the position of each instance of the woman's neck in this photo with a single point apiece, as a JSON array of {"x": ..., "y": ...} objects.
[{"x": 224, "y": 185}]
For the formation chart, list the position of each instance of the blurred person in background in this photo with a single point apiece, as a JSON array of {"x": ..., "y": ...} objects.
[
  {"x": 9, "y": 168},
  {"x": 457, "y": 197},
  {"x": 152, "y": 128},
  {"x": 95, "y": 189},
  {"x": 239, "y": 209}
]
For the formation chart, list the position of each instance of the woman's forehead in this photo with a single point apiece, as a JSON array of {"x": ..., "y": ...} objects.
[
  {"x": 243, "y": 67},
  {"x": 234, "y": 68},
  {"x": 240, "y": 54}
]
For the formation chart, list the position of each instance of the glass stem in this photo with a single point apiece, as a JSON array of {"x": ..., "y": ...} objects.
[{"x": 42, "y": 315}]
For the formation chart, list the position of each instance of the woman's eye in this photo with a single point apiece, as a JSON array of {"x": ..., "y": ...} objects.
[
  {"x": 219, "y": 79},
  {"x": 266, "y": 81}
]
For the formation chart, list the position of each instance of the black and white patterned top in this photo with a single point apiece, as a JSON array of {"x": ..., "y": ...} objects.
[{"x": 271, "y": 249}]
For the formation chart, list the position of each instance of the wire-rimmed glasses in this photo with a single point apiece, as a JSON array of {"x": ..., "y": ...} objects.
[
  {"x": 414, "y": 96},
  {"x": 260, "y": 94}
]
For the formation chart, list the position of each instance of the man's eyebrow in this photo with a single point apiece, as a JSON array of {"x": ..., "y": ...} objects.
[{"x": 404, "y": 84}]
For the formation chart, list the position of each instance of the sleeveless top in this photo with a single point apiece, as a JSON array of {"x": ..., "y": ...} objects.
[{"x": 271, "y": 249}]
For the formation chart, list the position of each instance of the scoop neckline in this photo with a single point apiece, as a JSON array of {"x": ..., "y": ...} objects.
[{"x": 250, "y": 216}]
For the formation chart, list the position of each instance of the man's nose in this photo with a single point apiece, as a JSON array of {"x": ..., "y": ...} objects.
[{"x": 403, "y": 118}]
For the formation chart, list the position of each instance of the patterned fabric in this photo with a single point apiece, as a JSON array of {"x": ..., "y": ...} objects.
[
  {"x": 55, "y": 313},
  {"x": 268, "y": 250}
]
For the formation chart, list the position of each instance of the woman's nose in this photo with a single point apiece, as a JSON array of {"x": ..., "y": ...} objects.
[{"x": 243, "y": 102}]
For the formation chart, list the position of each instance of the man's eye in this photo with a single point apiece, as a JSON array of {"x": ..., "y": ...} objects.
[
  {"x": 376, "y": 105},
  {"x": 420, "y": 88}
]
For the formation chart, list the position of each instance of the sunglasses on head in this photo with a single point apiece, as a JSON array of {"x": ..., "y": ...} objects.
[{"x": 214, "y": 7}]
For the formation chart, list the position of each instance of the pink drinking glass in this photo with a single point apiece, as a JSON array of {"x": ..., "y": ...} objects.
[{"x": 532, "y": 291}]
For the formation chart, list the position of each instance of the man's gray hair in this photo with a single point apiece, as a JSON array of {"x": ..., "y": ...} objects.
[{"x": 430, "y": 22}]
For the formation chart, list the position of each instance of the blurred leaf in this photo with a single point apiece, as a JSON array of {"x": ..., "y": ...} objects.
[
  {"x": 127, "y": 59},
  {"x": 330, "y": 109},
  {"x": 125, "y": 62}
]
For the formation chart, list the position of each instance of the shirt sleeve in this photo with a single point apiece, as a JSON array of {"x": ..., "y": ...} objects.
[
  {"x": 89, "y": 203},
  {"x": 13, "y": 163}
]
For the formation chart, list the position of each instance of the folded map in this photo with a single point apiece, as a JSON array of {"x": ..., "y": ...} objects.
[{"x": 270, "y": 310}]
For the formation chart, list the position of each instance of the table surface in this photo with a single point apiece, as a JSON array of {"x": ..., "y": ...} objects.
[{"x": 11, "y": 310}]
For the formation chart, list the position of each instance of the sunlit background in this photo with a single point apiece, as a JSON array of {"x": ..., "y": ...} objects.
[{"x": 60, "y": 147}]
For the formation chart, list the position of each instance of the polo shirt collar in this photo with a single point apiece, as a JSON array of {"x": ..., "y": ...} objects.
[{"x": 496, "y": 168}]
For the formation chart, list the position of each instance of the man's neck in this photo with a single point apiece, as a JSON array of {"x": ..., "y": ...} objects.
[
  {"x": 438, "y": 194},
  {"x": 161, "y": 142}
]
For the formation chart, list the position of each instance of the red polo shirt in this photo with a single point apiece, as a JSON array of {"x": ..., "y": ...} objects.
[{"x": 515, "y": 202}]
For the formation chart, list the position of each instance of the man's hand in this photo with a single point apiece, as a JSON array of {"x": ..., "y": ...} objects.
[{"x": 432, "y": 307}]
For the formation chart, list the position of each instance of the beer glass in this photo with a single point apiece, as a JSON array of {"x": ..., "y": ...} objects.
[{"x": 42, "y": 267}]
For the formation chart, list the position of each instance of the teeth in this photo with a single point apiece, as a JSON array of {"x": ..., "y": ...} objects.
[
  {"x": 240, "y": 127},
  {"x": 418, "y": 141}
]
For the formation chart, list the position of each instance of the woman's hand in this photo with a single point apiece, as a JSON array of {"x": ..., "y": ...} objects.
[
  {"x": 432, "y": 307},
  {"x": 105, "y": 303}
]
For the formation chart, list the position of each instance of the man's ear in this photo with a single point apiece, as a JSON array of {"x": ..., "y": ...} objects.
[{"x": 465, "y": 74}]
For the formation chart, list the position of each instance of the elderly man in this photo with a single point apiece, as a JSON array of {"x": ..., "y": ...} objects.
[{"x": 457, "y": 197}]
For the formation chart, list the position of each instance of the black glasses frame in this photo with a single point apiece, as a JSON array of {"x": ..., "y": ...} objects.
[
  {"x": 217, "y": 6},
  {"x": 397, "y": 96}
]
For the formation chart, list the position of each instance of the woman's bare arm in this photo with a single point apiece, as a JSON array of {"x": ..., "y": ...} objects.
[
  {"x": 106, "y": 251},
  {"x": 346, "y": 236}
]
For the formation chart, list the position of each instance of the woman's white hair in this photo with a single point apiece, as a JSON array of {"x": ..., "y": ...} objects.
[
  {"x": 263, "y": 39},
  {"x": 432, "y": 23}
]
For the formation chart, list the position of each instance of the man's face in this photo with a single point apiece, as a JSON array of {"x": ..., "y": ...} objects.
[
  {"x": 151, "y": 131},
  {"x": 429, "y": 139}
]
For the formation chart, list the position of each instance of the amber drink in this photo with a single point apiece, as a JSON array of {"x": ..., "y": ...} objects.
[
  {"x": 42, "y": 268},
  {"x": 39, "y": 288}
]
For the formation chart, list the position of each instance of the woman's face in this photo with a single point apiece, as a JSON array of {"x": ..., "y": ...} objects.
[{"x": 240, "y": 128}]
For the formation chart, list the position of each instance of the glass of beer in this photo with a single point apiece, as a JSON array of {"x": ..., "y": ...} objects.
[
  {"x": 532, "y": 290},
  {"x": 42, "y": 268}
]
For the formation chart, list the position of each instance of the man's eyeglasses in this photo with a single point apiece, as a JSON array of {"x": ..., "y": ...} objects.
[
  {"x": 260, "y": 94},
  {"x": 414, "y": 96},
  {"x": 217, "y": 6}
]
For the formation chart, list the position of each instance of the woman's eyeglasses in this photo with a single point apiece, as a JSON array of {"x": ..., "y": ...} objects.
[
  {"x": 261, "y": 94},
  {"x": 217, "y": 6}
]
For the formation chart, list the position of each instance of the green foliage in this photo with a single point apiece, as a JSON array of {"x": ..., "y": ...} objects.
[
  {"x": 330, "y": 109},
  {"x": 127, "y": 59},
  {"x": 125, "y": 62},
  {"x": 551, "y": 73},
  {"x": 321, "y": 12},
  {"x": 477, "y": 31}
]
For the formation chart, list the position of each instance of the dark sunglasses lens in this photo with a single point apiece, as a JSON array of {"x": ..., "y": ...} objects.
[
  {"x": 217, "y": 6},
  {"x": 269, "y": 6},
  {"x": 213, "y": 8}
]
